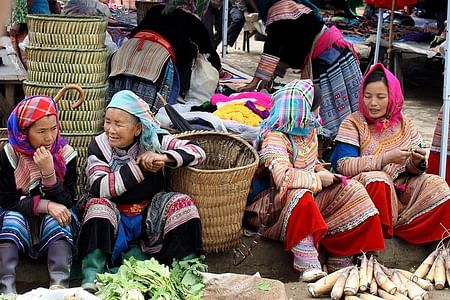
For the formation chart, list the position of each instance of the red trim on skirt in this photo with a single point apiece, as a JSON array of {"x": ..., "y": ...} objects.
[
  {"x": 365, "y": 237},
  {"x": 380, "y": 193},
  {"x": 305, "y": 219},
  {"x": 426, "y": 228}
]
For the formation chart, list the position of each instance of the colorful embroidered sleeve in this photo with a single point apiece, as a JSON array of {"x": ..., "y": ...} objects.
[
  {"x": 183, "y": 152},
  {"x": 346, "y": 160},
  {"x": 266, "y": 67},
  {"x": 105, "y": 183},
  {"x": 275, "y": 155}
]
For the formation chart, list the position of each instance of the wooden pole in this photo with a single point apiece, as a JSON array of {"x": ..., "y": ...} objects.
[{"x": 391, "y": 34}]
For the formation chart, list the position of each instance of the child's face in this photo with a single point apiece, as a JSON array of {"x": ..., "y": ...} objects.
[{"x": 43, "y": 132}]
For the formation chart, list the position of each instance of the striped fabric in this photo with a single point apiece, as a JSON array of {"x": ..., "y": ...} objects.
[
  {"x": 286, "y": 10},
  {"x": 422, "y": 192},
  {"x": 306, "y": 256},
  {"x": 343, "y": 207},
  {"x": 148, "y": 62},
  {"x": 17, "y": 229},
  {"x": 372, "y": 144},
  {"x": 108, "y": 183},
  {"x": 267, "y": 66}
]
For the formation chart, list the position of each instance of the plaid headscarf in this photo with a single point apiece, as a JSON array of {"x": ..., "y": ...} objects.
[
  {"x": 131, "y": 103},
  {"x": 24, "y": 115},
  {"x": 291, "y": 110},
  {"x": 395, "y": 97}
]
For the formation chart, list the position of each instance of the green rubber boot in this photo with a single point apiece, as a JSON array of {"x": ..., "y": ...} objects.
[{"x": 92, "y": 264}]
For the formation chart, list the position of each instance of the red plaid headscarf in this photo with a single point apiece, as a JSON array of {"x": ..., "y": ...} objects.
[{"x": 24, "y": 115}]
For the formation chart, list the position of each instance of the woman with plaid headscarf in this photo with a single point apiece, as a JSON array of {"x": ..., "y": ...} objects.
[
  {"x": 312, "y": 207},
  {"x": 37, "y": 190}
]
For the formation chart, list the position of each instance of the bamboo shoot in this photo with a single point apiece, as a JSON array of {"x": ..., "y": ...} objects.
[
  {"x": 370, "y": 270},
  {"x": 338, "y": 289},
  {"x": 352, "y": 283},
  {"x": 363, "y": 283},
  {"x": 369, "y": 297},
  {"x": 325, "y": 284},
  {"x": 439, "y": 273},
  {"x": 425, "y": 266},
  {"x": 382, "y": 280},
  {"x": 415, "y": 292},
  {"x": 373, "y": 289},
  {"x": 397, "y": 280}
]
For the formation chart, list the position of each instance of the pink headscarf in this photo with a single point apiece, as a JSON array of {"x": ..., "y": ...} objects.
[{"x": 395, "y": 97}]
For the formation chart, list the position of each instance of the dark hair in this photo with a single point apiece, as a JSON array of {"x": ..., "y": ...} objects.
[
  {"x": 376, "y": 76},
  {"x": 317, "y": 97}
]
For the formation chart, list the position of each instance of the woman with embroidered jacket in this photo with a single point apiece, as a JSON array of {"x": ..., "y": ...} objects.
[
  {"x": 312, "y": 207},
  {"x": 297, "y": 39},
  {"x": 37, "y": 190},
  {"x": 381, "y": 148},
  {"x": 127, "y": 209}
]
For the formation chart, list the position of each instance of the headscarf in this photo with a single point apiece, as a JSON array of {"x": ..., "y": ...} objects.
[
  {"x": 264, "y": 6},
  {"x": 86, "y": 8},
  {"x": 395, "y": 102},
  {"x": 131, "y": 103},
  {"x": 24, "y": 115},
  {"x": 291, "y": 109}
]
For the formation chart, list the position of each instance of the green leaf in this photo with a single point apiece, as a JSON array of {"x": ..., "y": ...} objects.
[{"x": 264, "y": 286}]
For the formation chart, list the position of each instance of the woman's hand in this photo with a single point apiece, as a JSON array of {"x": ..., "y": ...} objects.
[
  {"x": 60, "y": 213},
  {"x": 326, "y": 177},
  {"x": 418, "y": 156},
  {"x": 396, "y": 156},
  {"x": 151, "y": 161},
  {"x": 255, "y": 85},
  {"x": 44, "y": 160}
]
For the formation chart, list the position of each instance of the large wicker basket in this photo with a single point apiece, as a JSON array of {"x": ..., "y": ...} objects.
[{"x": 219, "y": 186}]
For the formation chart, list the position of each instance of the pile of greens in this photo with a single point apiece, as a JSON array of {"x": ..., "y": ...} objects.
[{"x": 148, "y": 279}]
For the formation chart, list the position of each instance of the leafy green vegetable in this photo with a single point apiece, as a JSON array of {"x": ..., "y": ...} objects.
[
  {"x": 148, "y": 279},
  {"x": 264, "y": 286}
]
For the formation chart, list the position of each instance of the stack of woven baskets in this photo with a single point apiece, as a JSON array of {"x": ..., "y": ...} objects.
[{"x": 70, "y": 50}]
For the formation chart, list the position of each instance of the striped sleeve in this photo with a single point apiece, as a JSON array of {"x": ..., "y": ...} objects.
[
  {"x": 275, "y": 155},
  {"x": 105, "y": 183},
  {"x": 267, "y": 66},
  {"x": 346, "y": 160},
  {"x": 183, "y": 152}
]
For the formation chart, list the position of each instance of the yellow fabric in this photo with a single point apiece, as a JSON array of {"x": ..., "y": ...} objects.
[{"x": 239, "y": 113}]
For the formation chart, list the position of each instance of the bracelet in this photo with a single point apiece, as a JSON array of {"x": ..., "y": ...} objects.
[{"x": 47, "y": 176}]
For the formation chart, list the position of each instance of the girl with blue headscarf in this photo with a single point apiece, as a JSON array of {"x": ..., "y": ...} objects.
[
  {"x": 312, "y": 207},
  {"x": 126, "y": 210}
]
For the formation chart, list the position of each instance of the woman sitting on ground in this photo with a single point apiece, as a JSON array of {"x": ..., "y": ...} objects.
[
  {"x": 37, "y": 190},
  {"x": 127, "y": 209},
  {"x": 311, "y": 206},
  {"x": 381, "y": 148}
]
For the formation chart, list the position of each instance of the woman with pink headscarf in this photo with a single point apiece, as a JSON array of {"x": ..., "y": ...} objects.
[{"x": 381, "y": 148}]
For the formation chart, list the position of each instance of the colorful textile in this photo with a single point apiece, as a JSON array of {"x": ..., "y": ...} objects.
[
  {"x": 395, "y": 105},
  {"x": 291, "y": 111},
  {"x": 262, "y": 113},
  {"x": 265, "y": 5},
  {"x": 306, "y": 256},
  {"x": 238, "y": 112},
  {"x": 334, "y": 210},
  {"x": 409, "y": 193},
  {"x": 286, "y": 10},
  {"x": 435, "y": 151},
  {"x": 266, "y": 67},
  {"x": 259, "y": 98},
  {"x": 328, "y": 38},
  {"x": 24, "y": 115},
  {"x": 132, "y": 104},
  {"x": 22, "y": 232}
]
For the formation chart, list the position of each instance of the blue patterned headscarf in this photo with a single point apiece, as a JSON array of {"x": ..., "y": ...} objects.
[{"x": 128, "y": 101}]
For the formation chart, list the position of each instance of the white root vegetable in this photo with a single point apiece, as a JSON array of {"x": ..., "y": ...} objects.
[
  {"x": 363, "y": 283},
  {"x": 399, "y": 283},
  {"x": 352, "y": 282},
  {"x": 447, "y": 267},
  {"x": 425, "y": 266},
  {"x": 415, "y": 292},
  {"x": 352, "y": 298},
  {"x": 382, "y": 280},
  {"x": 324, "y": 285},
  {"x": 369, "y": 297},
  {"x": 370, "y": 269},
  {"x": 338, "y": 289},
  {"x": 430, "y": 275},
  {"x": 373, "y": 288},
  {"x": 439, "y": 273}
]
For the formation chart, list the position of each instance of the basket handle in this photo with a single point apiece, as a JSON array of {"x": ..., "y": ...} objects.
[{"x": 76, "y": 87}]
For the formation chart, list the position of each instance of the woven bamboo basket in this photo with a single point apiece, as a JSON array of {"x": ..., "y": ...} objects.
[
  {"x": 58, "y": 67},
  {"x": 65, "y": 25},
  {"x": 219, "y": 186},
  {"x": 93, "y": 93},
  {"x": 76, "y": 41},
  {"x": 91, "y": 127},
  {"x": 66, "y": 78},
  {"x": 67, "y": 55}
]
